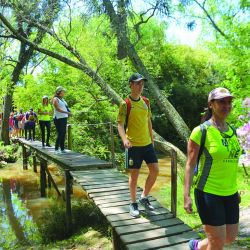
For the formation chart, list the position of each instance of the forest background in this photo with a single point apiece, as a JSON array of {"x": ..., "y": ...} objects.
[{"x": 92, "y": 47}]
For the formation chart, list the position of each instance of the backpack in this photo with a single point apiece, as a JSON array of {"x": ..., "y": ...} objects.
[
  {"x": 128, "y": 103},
  {"x": 203, "y": 127},
  {"x": 20, "y": 117}
]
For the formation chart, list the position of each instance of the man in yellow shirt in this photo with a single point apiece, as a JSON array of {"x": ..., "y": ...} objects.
[{"x": 137, "y": 139}]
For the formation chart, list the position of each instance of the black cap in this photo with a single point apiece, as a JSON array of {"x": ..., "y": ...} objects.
[{"x": 136, "y": 77}]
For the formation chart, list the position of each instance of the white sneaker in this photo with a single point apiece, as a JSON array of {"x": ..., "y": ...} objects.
[
  {"x": 57, "y": 152},
  {"x": 133, "y": 210}
]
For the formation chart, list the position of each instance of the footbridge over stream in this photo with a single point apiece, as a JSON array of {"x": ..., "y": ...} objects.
[{"x": 108, "y": 188}]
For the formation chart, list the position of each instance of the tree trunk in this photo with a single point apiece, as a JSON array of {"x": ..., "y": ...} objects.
[
  {"x": 5, "y": 119},
  {"x": 119, "y": 24},
  {"x": 25, "y": 53}
]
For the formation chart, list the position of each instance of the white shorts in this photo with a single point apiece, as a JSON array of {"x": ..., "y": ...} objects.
[{"x": 20, "y": 125}]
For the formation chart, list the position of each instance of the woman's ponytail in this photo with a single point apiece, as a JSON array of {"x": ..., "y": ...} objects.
[{"x": 207, "y": 115}]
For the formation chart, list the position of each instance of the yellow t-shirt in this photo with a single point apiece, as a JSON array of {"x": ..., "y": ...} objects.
[
  {"x": 44, "y": 108},
  {"x": 137, "y": 128},
  {"x": 217, "y": 172}
]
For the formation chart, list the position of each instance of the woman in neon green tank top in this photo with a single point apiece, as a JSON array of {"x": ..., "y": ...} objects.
[
  {"x": 216, "y": 194},
  {"x": 44, "y": 112}
]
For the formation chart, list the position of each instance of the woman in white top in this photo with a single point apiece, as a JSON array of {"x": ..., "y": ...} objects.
[{"x": 61, "y": 114}]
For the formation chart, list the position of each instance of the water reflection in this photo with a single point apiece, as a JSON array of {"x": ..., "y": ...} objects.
[
  {"x": 16, "y": 224},
  {"x": 21, "y": 205}
]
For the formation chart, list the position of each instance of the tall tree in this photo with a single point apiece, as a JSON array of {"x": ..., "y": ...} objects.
[
  {"x": 119, "y": 22},
  {"x": 47, "y": 12},
  {"x": 77, "y": 62}
]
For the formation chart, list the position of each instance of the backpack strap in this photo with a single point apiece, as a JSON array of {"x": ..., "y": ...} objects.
[
  {"x": 203, "y": 128},
  {"x": 128, "y": 103},
  {"x": 233, "y": 128},
  {"x": 145, "y": 99}
]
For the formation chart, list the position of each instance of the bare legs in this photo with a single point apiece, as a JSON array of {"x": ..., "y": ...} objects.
[
  {"x": 134, "y": 173},
  {"x": 218, "y": 236}
]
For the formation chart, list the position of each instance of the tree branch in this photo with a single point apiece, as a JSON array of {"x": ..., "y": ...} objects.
[{"x": 202, "y": 6}]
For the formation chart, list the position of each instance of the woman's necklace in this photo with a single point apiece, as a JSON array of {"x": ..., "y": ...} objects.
[{"x": 221, "y": 128}]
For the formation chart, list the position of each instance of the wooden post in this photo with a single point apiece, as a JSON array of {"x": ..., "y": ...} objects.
[
  {"x": 43, "y": 166},
  {"x": 115, "y": 240},
  {"x": 34, "y": 163},
  {"x": 53, "y": 182},
  {"x": 112, "y": 144},
  {"x": 69, "y": 136},
  {"x": 25, "y": 158},
  {"x": 173, "y": 182},
  {"x": 68, "y": 201},
  {"x": 49, "y": 178}
]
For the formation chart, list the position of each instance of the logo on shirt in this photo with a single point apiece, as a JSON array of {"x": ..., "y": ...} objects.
[{"x": 232, "y": 146}]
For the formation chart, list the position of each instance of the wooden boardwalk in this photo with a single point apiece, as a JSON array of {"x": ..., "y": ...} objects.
[
  {"x": 108, "y": 188},
  {"x": 156, "y": 229}
]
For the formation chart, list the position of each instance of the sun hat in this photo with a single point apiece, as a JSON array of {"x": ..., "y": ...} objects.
[
  {"x": 136, "y": 77},
  {"x": 219, "y": 93},
  {"x": 45, "y": 97},
  {"x": 59, "y": 89}
]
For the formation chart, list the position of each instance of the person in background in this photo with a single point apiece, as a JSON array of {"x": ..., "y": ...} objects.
[
  {"x": 11, "y": 124},
  {"x": 44, "y": 112},
  {"x": 61, "y": 114},
  {"x": 216, "y": 196},
  {"x": 138, "y": 141},
  {"x": 30, "y": 124}
]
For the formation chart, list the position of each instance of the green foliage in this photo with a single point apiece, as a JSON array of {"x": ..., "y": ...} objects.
[
  {"x": 52, "y": 224},
  {"x": 8, "y": 153},
  {"x": 184, "y": 75}
]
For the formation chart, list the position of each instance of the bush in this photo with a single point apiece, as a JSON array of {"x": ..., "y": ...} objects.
[
  {"x": 8, "y": 153},
  {"x": 52, "y": 223}
]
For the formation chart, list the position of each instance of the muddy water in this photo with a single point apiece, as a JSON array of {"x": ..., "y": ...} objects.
[
  {"x": 21, "y": 204},
  {"x": 164, "y": 174}
]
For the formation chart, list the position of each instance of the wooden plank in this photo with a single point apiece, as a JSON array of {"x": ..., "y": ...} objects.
[
  {"x": 125, "y": 209},
  {"x": 104, "y": 185},
  {"x": 97, "y": 177},
  {"x": 95, "y": 172},
  {"x": 127, "y": 216},
  {"x": 94, "y": 182},
  {"x": 111, "y": 197},
  {"x": 99, "y": 172},
  {"x": 100, "y": 189},
  {"x": 168, "y": 243},
  {"x": 107, "y": 194},
  {"x": 147, "y": 226},
  {"x": 181, "y": 246},
  {"x": 154, "y": 234},
  {"x": 125, "y": 202},
  {"x": 108, "y": 202},
  {"x": 141, "y": 220}
]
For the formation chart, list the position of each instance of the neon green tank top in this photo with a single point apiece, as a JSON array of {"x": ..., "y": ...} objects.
[
  {"x": 217, "y": 172},
  {"x": 43, "y": 108}
]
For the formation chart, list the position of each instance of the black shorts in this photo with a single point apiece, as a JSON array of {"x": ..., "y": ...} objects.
[
  {"x": 135, "y": 155},
  {"x": 216, "y": 210}
]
